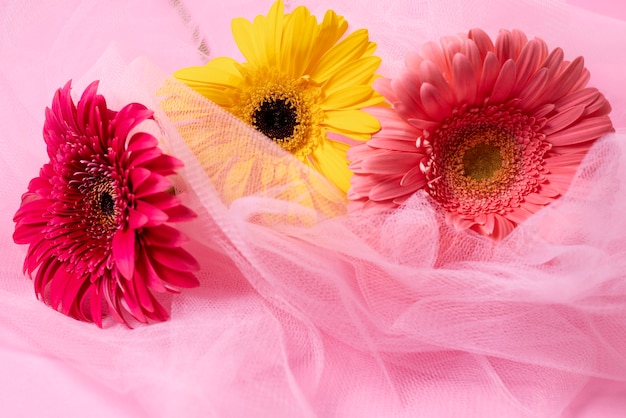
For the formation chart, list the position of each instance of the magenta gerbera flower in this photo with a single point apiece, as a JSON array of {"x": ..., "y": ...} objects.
[
  {"x": 492, "y": 133},
  {"x": 98, "y": 218}
]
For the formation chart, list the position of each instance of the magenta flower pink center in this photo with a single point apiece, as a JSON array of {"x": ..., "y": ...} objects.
[{"x": 484, "y": 159}]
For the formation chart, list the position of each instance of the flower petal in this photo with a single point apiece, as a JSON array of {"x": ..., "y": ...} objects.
[{"x": 123, "y": 250}]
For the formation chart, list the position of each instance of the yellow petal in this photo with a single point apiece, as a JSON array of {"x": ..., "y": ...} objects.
[
  {"x": 358, "y": 72},
  {"x": 352, "y": 98},
  {"x": 355, "y": 122},
  {"x": 330, "y": 160},
  {"x": 212, "y": 79},
  {"x": 246, "y": 39},
  {"x": 339, "y": 55},
  {"x": 272, "y": 34},
  {"x": 331, "y": 30},
  {"x": 299, "y": 40}
]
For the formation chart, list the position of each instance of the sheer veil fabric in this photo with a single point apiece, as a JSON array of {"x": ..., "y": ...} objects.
[{"x": 305, "y": 308}]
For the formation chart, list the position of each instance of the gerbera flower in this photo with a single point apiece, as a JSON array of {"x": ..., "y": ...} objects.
[
  {"x": 492, "y": 133},
  {"x": 96, "y": 219},
  {"x": 298, "y": 84}
]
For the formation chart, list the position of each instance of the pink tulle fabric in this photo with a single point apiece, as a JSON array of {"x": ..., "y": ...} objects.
[{"x": 305, "y": 309}]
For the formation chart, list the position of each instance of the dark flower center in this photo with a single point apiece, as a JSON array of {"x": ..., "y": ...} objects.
[
  {"x": 276, "y": 118},
  {"x": 107, "y": 204},
  {"x": 101, "y": 206},
  {"x": 481, "y": 161}
]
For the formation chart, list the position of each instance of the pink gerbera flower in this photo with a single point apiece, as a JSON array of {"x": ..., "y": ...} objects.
[
  {"x": 492, "y": 133},
  {"x": 96, "y": 219}
]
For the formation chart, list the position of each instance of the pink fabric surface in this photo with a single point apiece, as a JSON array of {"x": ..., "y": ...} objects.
[{"x": 331, "y": 314}]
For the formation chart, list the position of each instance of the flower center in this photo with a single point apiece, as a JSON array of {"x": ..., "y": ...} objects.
[
  {"x": 481, "y": 161},
  {"x": 284, "y": 109},
  {"x": 100, "y": 207},
  {"x": 276, "y": 118},
  {"x": 107, "y": 204},
  {"x": 484, "y": 160}
]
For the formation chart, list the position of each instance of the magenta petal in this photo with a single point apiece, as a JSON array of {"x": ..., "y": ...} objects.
[
  {"x": 141, "y": 141},
  {"x": 146, "y": 273},
  {"x": 136, "y": 219},
  {"x": 164, "y": 164},
  {"x": 175, "y": 258},
  {"x": 132, "y": 302},
  {"x": 123, "y": 248},
  {"x": 138, "y": 176},
  {"x": 153, "y": 184},
  {"x": 164, "y": 236},
  {"x": 154, "y": 215},
  {"x": 180, "y": 214},
  {"x": 95, "y": 305}
]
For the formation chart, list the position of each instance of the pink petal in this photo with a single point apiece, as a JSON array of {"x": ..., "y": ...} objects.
[
  {"x": 393, "y": 144},
  {"x": 431, "y": 74},
  {"x": 434, "y": 104},
  {"x": 566, "y": 160},
  {"x": 534, "y": 89},
  {"x": 387, "y": 189},
  {"x": 414, "y": 179},
  {"x": 465, "y": 86},
  {"x": 504, "y": 83},
  {"x": 531, "y": 57},
  {"x": 585, "y": 130},
  {"x": 538, "y": 199},
  {"x": 553, "y": 62},
  {"x": 391, "y": 162},
  {"x": 563, "y": 119},
  {"x": 502, "y": 227},
  {"x": 482, "y": 40},
  {"x": 566, "y": 81},
  {"x": 491, "y": 69},
  {"x": 471, "y": 52}
]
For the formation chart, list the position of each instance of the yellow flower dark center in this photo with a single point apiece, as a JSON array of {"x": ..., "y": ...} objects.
[
  {"x": 284, "y": 109},
  {"x": 481, "y": 161},
  {"x": 276, "y": 118}
]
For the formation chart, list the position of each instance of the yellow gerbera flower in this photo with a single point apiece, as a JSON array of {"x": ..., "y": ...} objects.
[{"x": 299, "y": 83}]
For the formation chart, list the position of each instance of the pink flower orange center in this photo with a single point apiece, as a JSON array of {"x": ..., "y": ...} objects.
[{"x": 484, "y": 159}]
